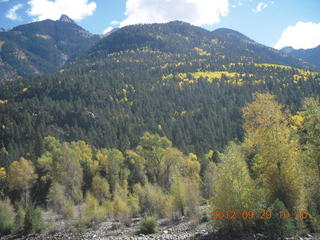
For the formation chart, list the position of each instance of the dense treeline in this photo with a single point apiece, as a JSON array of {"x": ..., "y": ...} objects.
[
  {"x": 276, "y": 168},
  {"x": 110, "y": 103}
]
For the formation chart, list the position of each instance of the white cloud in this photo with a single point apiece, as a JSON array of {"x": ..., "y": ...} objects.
[
  {"x": 4, "y": 0},
  {"x": 108, "y": 29},
  {"x": 197, "y": 12},
  {"x": 302, "y": 35},
  {"x": 12, "y": 12},
  {"x": 260, "y": 7},
  {"x": 46, "y": 9},
  {"x": 115, "y": 22},
  {"x": 237, "y": 4}
]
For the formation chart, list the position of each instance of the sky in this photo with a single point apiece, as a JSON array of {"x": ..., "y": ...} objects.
[{"x": 275, "y": 23}]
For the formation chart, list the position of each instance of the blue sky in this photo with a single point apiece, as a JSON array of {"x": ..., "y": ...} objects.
[{"x": 275, "y": 23}]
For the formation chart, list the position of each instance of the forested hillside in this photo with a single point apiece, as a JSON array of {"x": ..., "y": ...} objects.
[{"x": 172, "y": 79}]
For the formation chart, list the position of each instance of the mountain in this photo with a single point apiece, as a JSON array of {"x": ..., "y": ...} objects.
[
  {"x": 65, "y": 18},
  {"x": 173, "y": 79},
  {"x": 311, "y": 55},
  {"x": 287, "y": 50},
  {"x": 180, "y": 37},
  {"x": 41, "y": 47}
]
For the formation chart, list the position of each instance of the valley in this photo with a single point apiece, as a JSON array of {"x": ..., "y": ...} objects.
[{"x": 142, "y": 130}]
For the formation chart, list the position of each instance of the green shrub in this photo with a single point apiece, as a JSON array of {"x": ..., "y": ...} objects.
[
  {"x": 153, "y": 201},
  {"x": 33, "y": 220},
  {"x": 148, "y": 225},
  {"x": 205, "y": 218},
  {"x": 69, "y": 210},
  {"x": 6, "y": 217},
  {"x": 278, "y": 227},
  {"x": 314, "y": 222},
  {"x": 56, "y": 197},
  {"x": 81, "y": 227},
  {"x": 58, "y": 201}
]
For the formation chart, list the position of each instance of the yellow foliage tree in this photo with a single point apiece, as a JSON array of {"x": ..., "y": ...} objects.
[
  {"x": 308, "y": 132},
  {"x": 169, "y": 165},
  {"x": 67, "y": 171},
  {"x": 151, "y": 148},
  {"x": 268, "y": 136},
  {"x": 85, "y": 156},
  {"x": 100, "y": 188},
  {"x": 3, "y": 173},
  {"x": 21, "y": 177}
]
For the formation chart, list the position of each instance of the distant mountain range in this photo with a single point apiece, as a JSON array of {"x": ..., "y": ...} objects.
[
  {"x": 311, "y": 55},
  {"x": 182, "y": 37},
  {"x": 46, "y": 46},
  {"x": 41, "y": 47}
]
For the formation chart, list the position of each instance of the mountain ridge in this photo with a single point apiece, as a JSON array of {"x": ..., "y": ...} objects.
[
  {"x": 178, "y": 36},
  {"x": 311, "y": 55},
  {"x": 42, "y": 47}
]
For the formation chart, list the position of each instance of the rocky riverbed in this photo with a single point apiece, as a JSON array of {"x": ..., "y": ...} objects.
[
  {"x": 113, "y": 230},
  {"x": 168, "y": 230}
]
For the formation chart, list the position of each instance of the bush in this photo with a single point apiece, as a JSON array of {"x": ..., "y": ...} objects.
[
  {"x": 133, "y": 204},
  {"x": 314, "y": 221},
  {"x": 279, "y": 227},
  {"x": 81, "y": 227},
  {"x": 107, "y": 205},
  {"x": 148, "y": 225},
  {"x": 6, "y": 217},
  {"x": 153, "y": 200},
  {"x": 58, "y": 201},
  {"x": 185, "y": 198},
  {"x": 122, "y": 211},
  {"x": 33, "y": 220},
  {"x": 68, "y": 210},
  {"x": 92, "y": 211}
]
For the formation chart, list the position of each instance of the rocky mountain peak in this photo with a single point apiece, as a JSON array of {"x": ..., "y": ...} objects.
[{"x": 65, "y": 18}]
